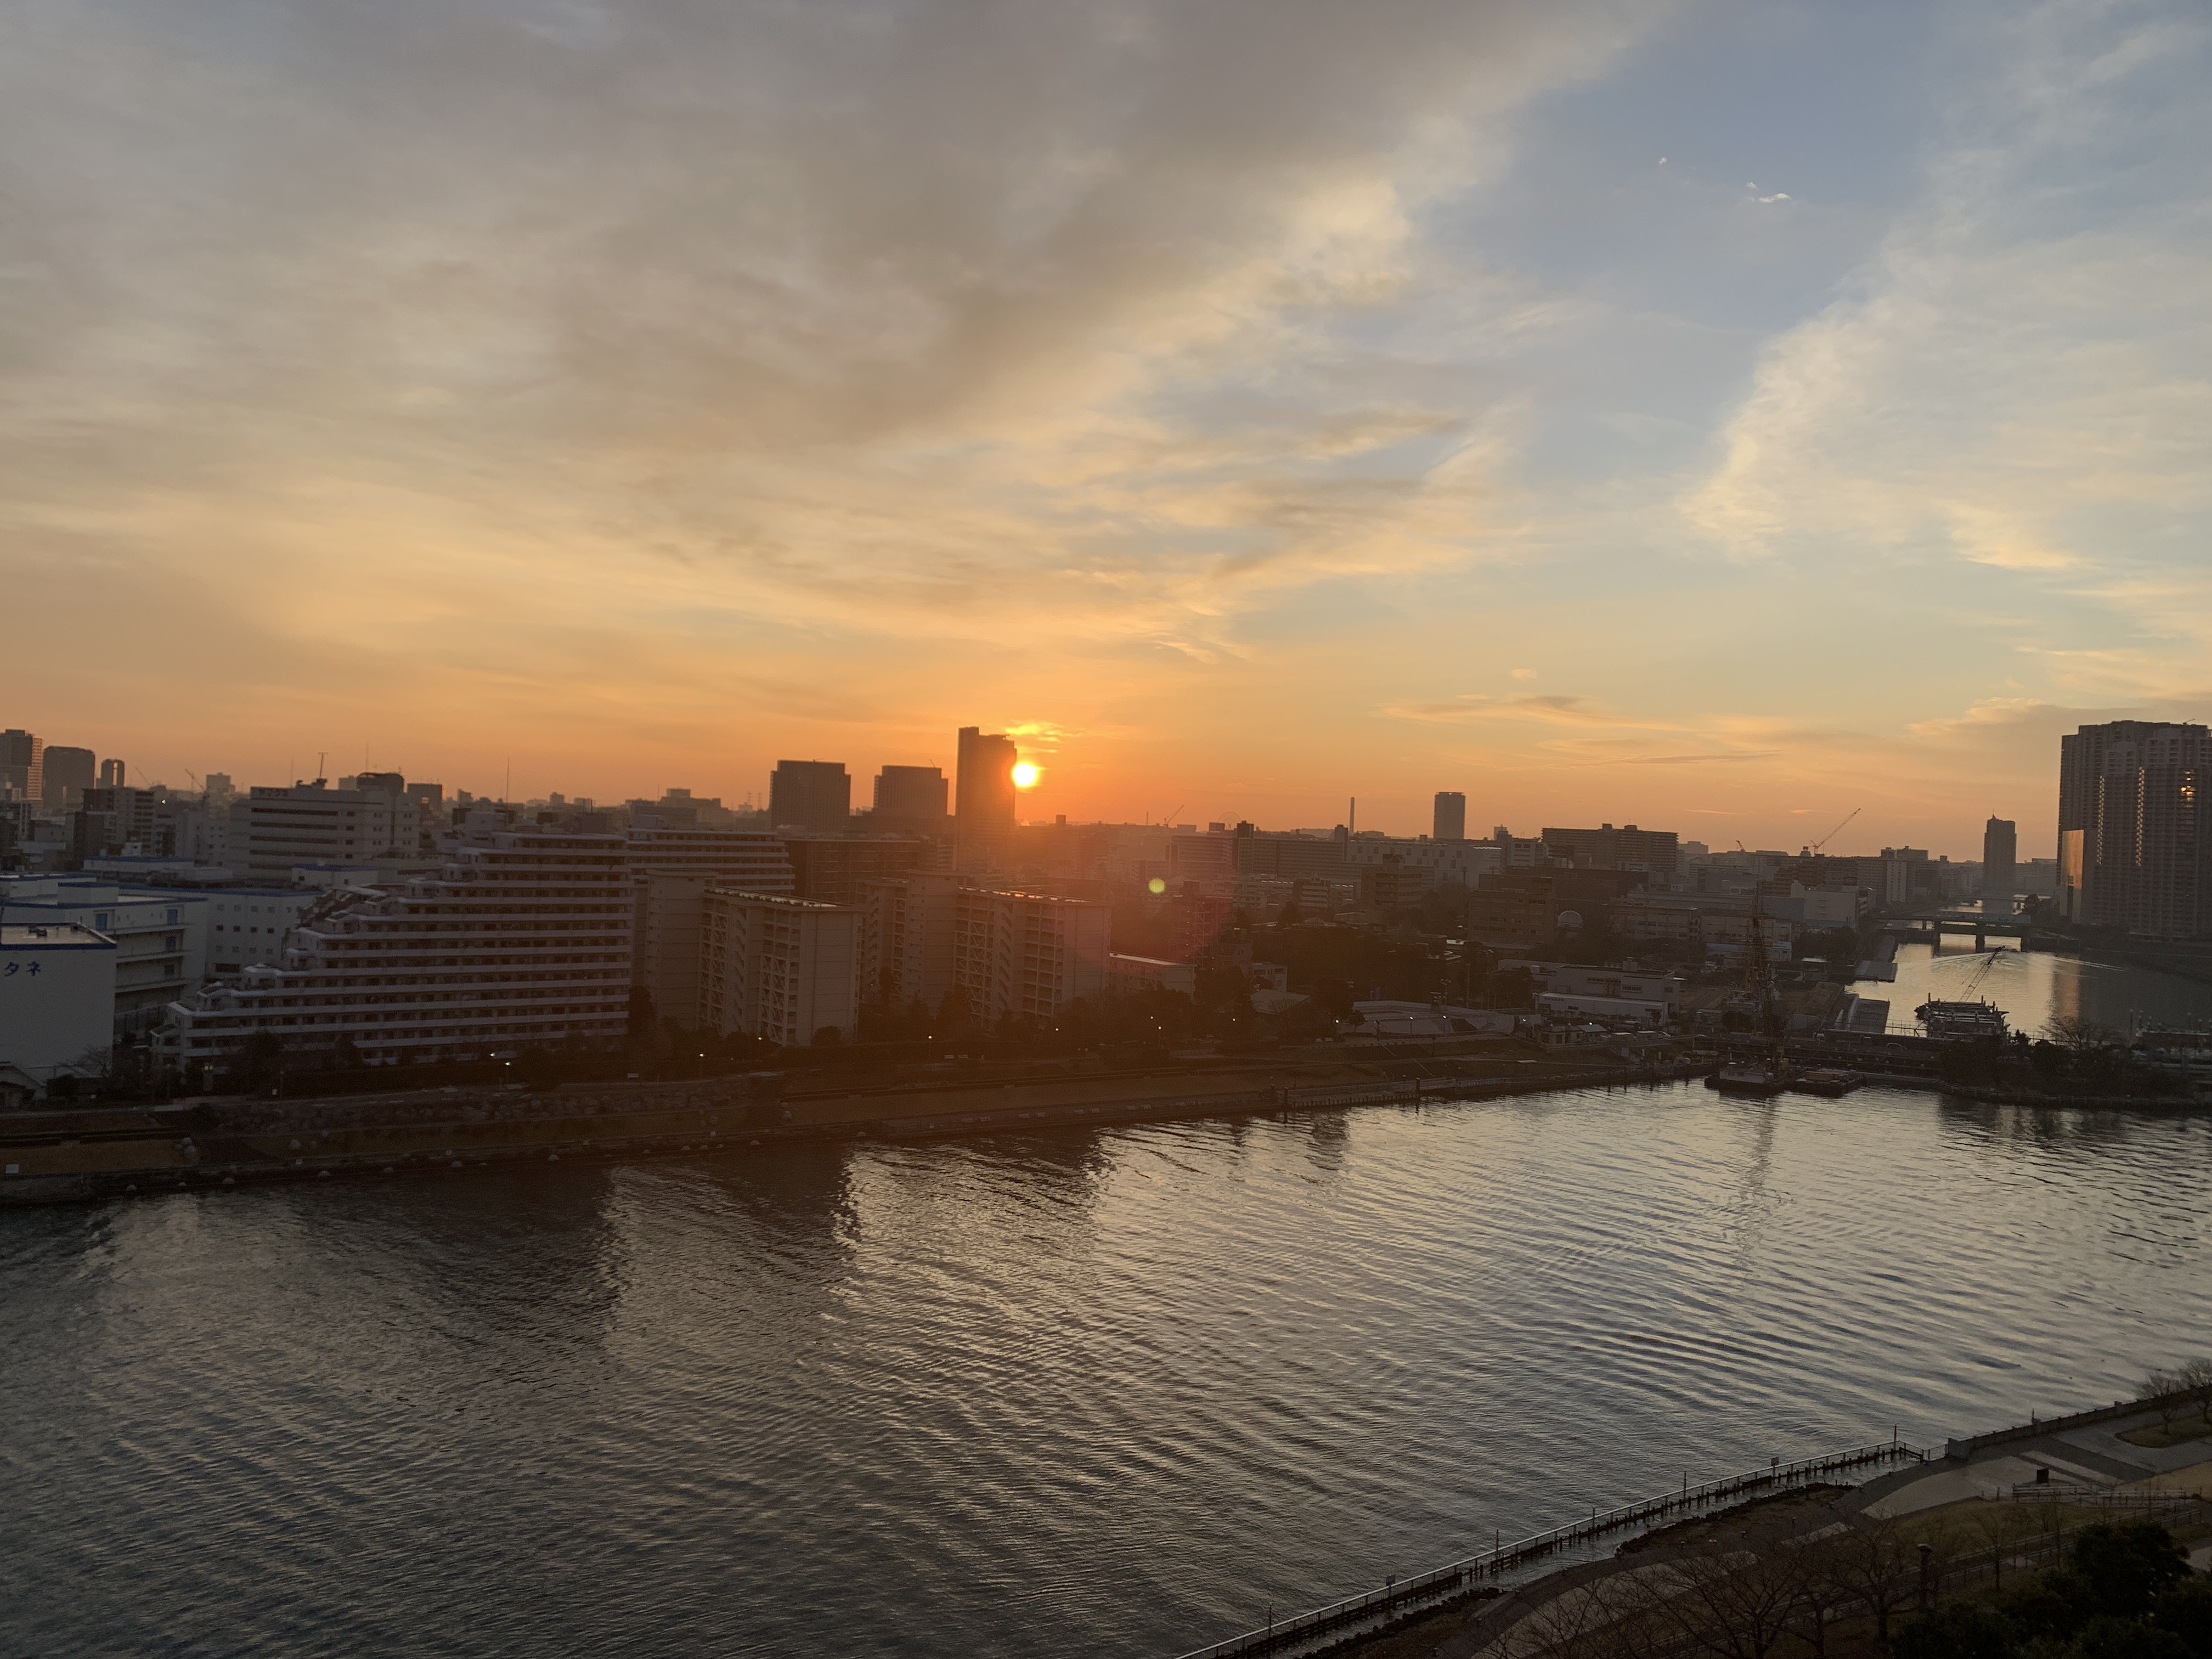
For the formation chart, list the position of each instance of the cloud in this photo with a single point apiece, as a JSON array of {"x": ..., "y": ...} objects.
[{"x": 2020, "y": 378}]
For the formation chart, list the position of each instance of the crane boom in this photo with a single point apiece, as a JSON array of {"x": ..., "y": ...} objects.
[{"x": 1838, "y": 829}]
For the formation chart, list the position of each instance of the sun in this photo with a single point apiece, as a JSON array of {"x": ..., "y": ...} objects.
[{"x": 1024, "y": 774}]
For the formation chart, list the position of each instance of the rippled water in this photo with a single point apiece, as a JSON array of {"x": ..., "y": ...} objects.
[{"x": 1090, "y": 1392}]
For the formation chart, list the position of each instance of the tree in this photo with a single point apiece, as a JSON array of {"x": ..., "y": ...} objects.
[
  {"x": 1737, "y": 1597},
  {"x": 2129, "y": 1567},
  {"x": 261, "y": 1062},
  {"x": 1881, "y": 1565},
  {"x": 2166, "y": 1387},
  {"x": 2196, "y": 1378},
  {"x": 346, "y": 1053},
  {"x": 2080, "y": 1038},
  {"x": 1999, "y": 1526},
  {"x": 2184, "y": 1610},
  {"x": 828, "y": 1037},
  {"x": 1960, "y": 1631}
]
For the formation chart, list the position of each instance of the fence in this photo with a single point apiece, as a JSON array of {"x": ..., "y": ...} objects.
[{"x": 1401, "y": 1596}]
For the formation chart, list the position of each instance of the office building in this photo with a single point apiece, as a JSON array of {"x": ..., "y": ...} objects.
[
  {"x": 813, "y": 796},
  {"x": 111, "y": 774},
  {"x": 23, "y": 766},
  {"x": 274, "y": 828},
  {"x": 69, "y": 773},
  {"x": 1653, "y": 851},
  {"x": 521, "y": 940},
  {"x": 160, "y": 936},
  {"x": 1450, "y": 820},
  {"x": 984, "y": 805},
  {"x": 781, "y": 969},
  {"x": 906, "y": 939},
  {"x": 912, "y": 792},
  {"x": 57, "y": 996},
  {"x": 1028, "y": 955},
  {"x": 1999, "y": 855},
  {"x": 2134, "y": 849}
]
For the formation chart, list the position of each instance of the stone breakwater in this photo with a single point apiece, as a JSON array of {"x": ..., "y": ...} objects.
[{"x": 59, "y": 1156}]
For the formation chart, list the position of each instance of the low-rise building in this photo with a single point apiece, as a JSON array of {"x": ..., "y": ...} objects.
[
  {"x": 1127, "y": 974},
  {"x": 57, "y": 996},
  {"x": 160, "y": 938}
]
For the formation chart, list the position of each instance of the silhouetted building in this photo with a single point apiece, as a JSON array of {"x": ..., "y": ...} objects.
[
  {"x": 816, "y": 795},
  {"x": 23, "y": 766},
  {"x": 829, "y": 869},
  {"x": 906, "y": 939},
  {"x": 111, "y": 774},
  {"x": 985, "y": 805},
  {"x": 912, "y": 792},
  {"x": 2134, "y": 849},
  {"x": 1450, "y": 822},
  {"x": 2000, "y": 852},
  {"x": 68, "y": 773}
]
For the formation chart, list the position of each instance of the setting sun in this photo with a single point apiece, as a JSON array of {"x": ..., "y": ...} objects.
[{"x": 1024, "y": 774}]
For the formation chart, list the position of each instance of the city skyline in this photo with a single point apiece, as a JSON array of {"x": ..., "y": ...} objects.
[{"x": 1714, "y": 414}]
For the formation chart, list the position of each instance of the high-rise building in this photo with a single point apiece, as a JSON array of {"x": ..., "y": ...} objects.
[
  {"x": 522, "y": 940},
  {"x": 1451, "y": 823},
  {"x": 829, "y": 869},
  {"x": 778, "y": 968},
  {"x": 911, "y": 791},
  {"x": 811, "y": 795},
  {"x": 68, "y": 773},
  {"x": 2000, "y": 853},
  {"x": 2134, "y": 845},
  {"x": 23, "y": 766},
  {"x": 111, "y": 774},
  {"x": 985, "y": 802}
]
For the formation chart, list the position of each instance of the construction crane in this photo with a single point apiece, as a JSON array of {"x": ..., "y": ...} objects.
[
  {"x": 1980, "y": 973},
  {"x": 1832, "y": 833}
]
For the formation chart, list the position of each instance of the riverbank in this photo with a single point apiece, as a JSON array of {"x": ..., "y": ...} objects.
[
  {"x": 74, "y": 1156},
  {"x": 2014, "y": 1492}
]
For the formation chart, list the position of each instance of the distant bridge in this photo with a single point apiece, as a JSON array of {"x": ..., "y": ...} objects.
[{"x": 1932, "y": 924}]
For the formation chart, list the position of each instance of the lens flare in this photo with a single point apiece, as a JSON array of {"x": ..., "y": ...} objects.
[{"x": 1024, "y": 774}]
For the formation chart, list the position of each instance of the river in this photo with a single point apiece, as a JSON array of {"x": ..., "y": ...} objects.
[
  {"x": 1082, "y": 1393},
  {"x": 2033, "y": 987}
]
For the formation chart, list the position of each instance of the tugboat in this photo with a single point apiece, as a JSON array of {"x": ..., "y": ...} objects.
[
  {"x": 1758, "y": 1080},
  {"x": 1829, "y": 1080}
]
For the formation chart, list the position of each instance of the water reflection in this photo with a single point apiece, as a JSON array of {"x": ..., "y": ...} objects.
[
  {"x": 1082, "y": 1390},
  {"x": 2033, "y": 987}
]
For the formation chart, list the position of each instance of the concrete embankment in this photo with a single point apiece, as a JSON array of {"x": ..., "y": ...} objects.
[{"x": 59, "y": 1156}]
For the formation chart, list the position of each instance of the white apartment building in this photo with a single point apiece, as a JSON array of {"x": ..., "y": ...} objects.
[
  {"x": 1028, "y": 953},
  {"x": 670, "y": 870},
  {"x": 160, "y": 936},
  {"x": 57, "y": 996},
  {"x": 272, "y": 830},
  {"x": 778, "y": 968},
  {"x": 523, "y": 940},
  {"x": 906, "y": 939},
  {"x": 250, "y": 926}
]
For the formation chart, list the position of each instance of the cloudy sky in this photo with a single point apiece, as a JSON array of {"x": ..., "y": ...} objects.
[{"x": 1715, "y": 416}]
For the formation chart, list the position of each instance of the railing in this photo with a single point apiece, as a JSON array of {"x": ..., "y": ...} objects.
[{"x": 1401, "y": 1596}]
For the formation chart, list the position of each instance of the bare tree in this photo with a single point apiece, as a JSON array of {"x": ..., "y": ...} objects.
[
  {"x": 1736, "y": 1596},
  {"x": 2080, "y": 1036},
  {"x": 2165, "y": 1388},
  {"x": 1879, "y": 1562},
  {"x": 1826, "y": 1590},
  {"x": 2196, "y": 1378},
  {"x": 2000, "y": 1526}
]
